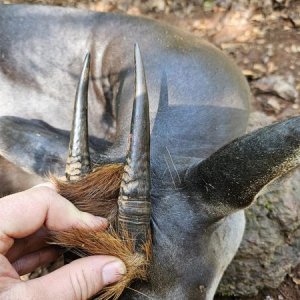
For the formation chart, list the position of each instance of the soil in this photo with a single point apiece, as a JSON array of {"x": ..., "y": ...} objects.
[
  {"x": 262, "y": 37},
  {"x": 288, "y": 290}
]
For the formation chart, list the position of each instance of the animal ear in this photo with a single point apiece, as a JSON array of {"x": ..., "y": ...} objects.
[
  {"x": 231, "y": 178},
  {"x": 33, "y": 145}
]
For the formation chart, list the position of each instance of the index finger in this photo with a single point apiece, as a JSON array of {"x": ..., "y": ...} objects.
[{"x": 24, "y": 213}]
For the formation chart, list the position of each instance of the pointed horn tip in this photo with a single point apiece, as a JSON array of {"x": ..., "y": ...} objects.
[
  {"x": 137, "y": 52},
  {"x": 86, "y": 66},
  {"x": 136, "y": 46},
  {"x": 86, "y": 62},
  {"x": 87, "y": 56}
]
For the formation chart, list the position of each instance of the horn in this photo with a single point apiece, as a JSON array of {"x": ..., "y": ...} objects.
[
  {"x": 78, "y": 161},
  {"x": 134, "y": 207},
  {"x": 231, "y": 178}
]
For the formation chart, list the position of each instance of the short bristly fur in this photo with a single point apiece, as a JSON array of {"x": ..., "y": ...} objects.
[{"x": 97, "y": 193}]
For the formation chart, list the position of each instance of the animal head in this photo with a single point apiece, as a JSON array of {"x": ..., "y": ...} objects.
[
  {"x": 197, "y": 213},
  {"x": 172, "y": 172}
]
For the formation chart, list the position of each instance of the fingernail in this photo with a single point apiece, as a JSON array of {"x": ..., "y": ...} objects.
[
  {"x": 99, "y": 222},
  {"x": 102, "y": 222},
  {"x": 90, "y": 220},
  {"x": 46, "y": 184},
  {"x": 113, "y": 272}
]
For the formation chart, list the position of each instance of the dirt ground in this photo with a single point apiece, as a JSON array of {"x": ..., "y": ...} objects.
[{"x": 262, "y": 37}]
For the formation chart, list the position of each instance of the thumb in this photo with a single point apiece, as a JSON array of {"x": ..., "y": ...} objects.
[{"x": 81, "y": 279}]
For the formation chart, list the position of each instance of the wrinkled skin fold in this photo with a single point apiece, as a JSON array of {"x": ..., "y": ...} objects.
[{"x": 203, "y": 170}]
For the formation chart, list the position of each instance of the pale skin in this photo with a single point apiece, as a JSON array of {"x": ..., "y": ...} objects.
[{"x": 25, "y": 219}]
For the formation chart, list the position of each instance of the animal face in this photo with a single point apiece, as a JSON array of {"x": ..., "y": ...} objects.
[{"x": 165, "y": 130}]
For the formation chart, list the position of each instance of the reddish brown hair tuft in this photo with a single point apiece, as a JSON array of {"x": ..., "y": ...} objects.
[{"x": 97, "y": 193}]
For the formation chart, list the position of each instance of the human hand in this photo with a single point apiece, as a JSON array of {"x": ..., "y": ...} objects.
[{"x": 25, "y": 219}]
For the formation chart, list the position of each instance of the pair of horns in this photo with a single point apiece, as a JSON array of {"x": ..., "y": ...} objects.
[{"x": 134, "y": 206}]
